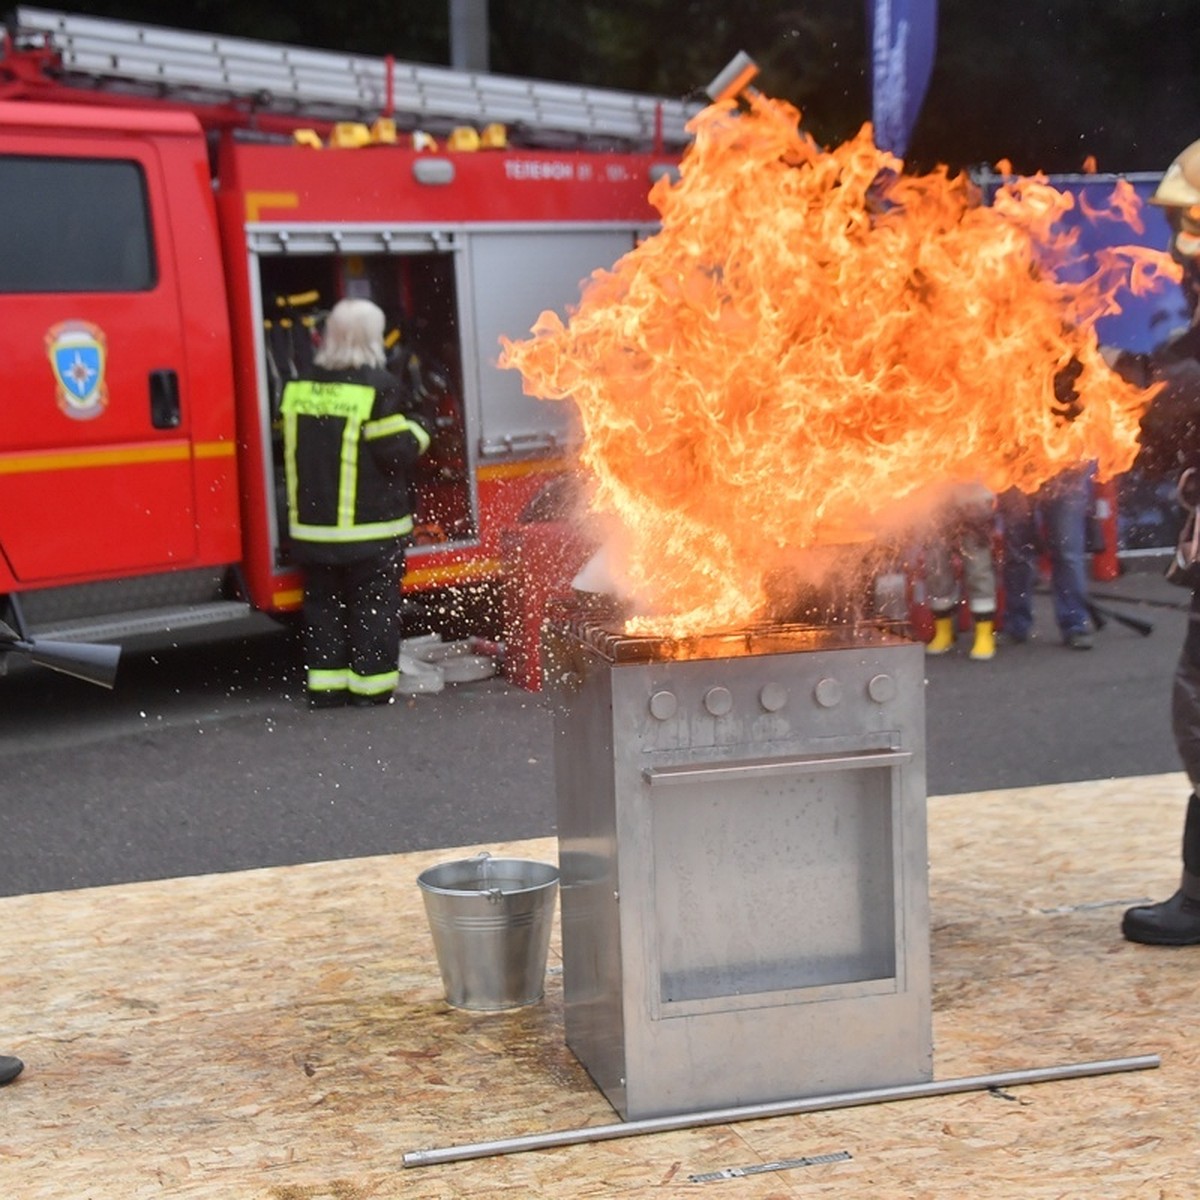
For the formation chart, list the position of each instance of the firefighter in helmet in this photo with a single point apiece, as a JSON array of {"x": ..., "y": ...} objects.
[
  {"x": 1179, "y": 196},
  {"x": 350, "y": 438},
  {"x": 1170, "y": 444}
]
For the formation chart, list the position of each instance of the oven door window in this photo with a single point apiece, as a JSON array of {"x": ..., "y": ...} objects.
[{"x": 777, "y": 890}]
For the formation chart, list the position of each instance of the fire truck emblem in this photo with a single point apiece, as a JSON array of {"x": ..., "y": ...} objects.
[{"x": 78, "y": 354}]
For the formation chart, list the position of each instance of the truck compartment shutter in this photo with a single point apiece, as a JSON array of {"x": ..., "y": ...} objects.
[{"x": 515, "y": 275}]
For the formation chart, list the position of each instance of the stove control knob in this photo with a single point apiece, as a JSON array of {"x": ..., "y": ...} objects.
[
  {"x": 663, "y": 705},
  {"x": 882, "y": 689},
  {"x": 828, "y": 693},
  {"x": 773, "y": 696},
  {"x": 718, "y": 701}
]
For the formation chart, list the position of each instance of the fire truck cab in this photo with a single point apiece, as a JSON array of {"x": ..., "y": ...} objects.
[{"x": 176, "y": 213}]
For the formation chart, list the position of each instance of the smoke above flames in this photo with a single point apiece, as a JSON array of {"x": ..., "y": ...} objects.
[{"x": 811, "y": 347}]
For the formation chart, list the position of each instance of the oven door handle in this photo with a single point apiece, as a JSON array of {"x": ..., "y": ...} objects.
[{"x": 766, "y": 767}]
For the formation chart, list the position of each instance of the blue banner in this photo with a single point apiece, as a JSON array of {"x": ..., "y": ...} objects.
[
  {"x": 1144, "y": 321},
  {"x": 902, "y": 35}
]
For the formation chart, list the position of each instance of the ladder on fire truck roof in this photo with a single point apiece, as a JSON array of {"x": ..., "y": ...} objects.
[{"x": 321, "y": 85}]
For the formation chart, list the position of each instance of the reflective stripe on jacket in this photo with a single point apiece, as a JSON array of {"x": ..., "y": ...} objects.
[{"x": 344, "y": 461}]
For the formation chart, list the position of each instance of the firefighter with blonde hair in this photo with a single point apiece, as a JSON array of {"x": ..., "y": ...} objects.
[
  {"x": 351, "y": 439},
  {"x": 1170, "y": 445}
]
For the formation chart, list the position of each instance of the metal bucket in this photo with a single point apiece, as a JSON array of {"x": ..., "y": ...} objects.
[{"x": 490, "y": 919}]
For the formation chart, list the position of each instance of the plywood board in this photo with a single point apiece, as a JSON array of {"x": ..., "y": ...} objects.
[{"x": 281, "y": 1035}]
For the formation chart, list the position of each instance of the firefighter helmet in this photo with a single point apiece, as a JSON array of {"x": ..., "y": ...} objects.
[
  {"x": 1179, "y": 193},
  {"x": 1180, "y": 186}
]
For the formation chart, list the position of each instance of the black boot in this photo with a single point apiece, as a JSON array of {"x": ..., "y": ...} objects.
[
  {"x": 10, "y": 1068},
  {"x": 1173, "y": 922}
]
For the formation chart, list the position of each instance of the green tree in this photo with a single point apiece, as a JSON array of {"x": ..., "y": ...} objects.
[
  {"x": 812, "y": 54},
  {"x": 1047, "y": 84}
]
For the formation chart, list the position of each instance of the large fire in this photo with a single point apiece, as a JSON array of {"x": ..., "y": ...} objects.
[{"x": 814, "y": 342}]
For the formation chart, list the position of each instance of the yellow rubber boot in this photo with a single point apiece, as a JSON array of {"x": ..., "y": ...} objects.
[
  {"x": 943, "y": 636},
  {"x": 985, "y": 641}
]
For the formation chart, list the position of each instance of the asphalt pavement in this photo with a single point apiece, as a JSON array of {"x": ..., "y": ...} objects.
[{"x": 204, "y": 758}]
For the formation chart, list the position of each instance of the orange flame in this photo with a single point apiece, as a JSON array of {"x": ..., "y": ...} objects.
[{"x": 813, "y": 341}]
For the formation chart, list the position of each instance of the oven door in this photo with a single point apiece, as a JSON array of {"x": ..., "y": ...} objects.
[{"x": 775, "y": 881}]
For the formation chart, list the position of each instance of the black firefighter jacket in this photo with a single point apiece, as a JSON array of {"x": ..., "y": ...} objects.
[{"x": 349, "y": 442}]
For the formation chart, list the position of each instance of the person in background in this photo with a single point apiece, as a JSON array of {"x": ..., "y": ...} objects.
[
  {"x": 1053, "y": 520},
  {"x": 10, "y": 1068},
  {"x": 350, "y": 438},
  {"x": 1170, "y": 444},
  {"x": 966, "y": 524}
]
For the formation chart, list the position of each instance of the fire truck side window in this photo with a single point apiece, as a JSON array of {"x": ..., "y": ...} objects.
[{"x": 74, "y": 225}]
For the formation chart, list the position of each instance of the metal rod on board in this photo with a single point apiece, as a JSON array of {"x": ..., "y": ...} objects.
[{"x": 778, "y": 1108}]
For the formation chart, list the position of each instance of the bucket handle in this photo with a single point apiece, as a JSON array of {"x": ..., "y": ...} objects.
[{"x": 494, "y": 894}]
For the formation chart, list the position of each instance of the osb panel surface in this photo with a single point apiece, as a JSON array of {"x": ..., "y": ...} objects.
[{"x": 281, "y": 1035}]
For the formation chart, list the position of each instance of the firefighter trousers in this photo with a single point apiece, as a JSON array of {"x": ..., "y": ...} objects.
[{"x": 352, "y": 627}]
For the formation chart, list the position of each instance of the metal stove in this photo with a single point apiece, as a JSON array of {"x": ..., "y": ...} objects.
[{"x": 744, "y": 881}]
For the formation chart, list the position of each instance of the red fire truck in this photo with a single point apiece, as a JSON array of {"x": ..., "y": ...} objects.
[{"x": 176, "y": 210}]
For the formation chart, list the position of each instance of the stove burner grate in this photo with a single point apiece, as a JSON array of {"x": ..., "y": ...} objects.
[{"x": 605, "y": 636}]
